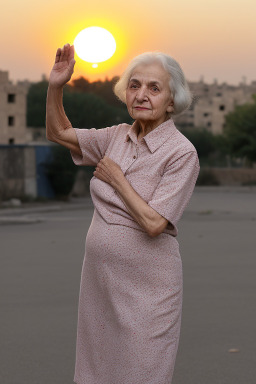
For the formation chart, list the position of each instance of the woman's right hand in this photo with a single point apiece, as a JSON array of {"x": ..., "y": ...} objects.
[{"x": 63, "y": 68}]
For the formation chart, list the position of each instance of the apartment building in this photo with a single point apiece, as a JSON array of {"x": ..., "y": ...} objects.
[
  {"x": 13, "y": 128},
  {"x": 212, "y": 102}
]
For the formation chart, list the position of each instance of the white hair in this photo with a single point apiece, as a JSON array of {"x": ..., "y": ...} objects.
[{"x": 181, "y": 94}]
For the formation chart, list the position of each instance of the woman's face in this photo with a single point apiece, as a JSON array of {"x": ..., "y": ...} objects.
[{"x": 148, "y": 96}]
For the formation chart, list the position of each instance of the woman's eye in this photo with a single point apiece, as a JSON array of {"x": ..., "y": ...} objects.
[
  {"x": 133, "y": 86},
  {"x": 155, "y": 89}
]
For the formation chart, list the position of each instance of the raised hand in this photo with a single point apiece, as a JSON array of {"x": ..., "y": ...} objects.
[{"x": 64, "y": 66}]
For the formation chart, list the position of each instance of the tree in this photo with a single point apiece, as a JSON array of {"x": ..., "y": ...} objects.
[
  {"x": 36, "y": 104},
  {"x": 104, "y": 89},
  {"x": 240, "y": 131},
  {"x": 211, "y": 148},
  {"x": 84, "y": 109},
  {"x": 203, "y": 141},
  {"x": 88, "y": 110}
]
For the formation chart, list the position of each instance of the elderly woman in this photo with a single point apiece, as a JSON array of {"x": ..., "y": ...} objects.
[{"x": 131, "y": 285}]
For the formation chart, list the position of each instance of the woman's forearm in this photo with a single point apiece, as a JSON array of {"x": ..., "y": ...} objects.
[
  {"x": 58, "y": 127},
  {"x": 147, "y": 217},
  {"x": 56, "y": 119}
]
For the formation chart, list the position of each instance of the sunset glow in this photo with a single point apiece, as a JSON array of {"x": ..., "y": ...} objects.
[{"x": 213, "y": 39}]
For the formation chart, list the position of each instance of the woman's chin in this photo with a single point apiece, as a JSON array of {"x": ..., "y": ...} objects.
[{"x": 142, "y": 115}]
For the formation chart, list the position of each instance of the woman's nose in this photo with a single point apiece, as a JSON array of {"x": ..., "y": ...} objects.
[{"x": 141, "y": 94}]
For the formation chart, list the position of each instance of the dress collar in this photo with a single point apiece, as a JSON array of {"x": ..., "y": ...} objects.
[{"x": 155, "y": 138}]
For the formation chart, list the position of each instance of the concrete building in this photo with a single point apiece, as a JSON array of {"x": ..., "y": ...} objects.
[
  {"x": 23, "y": 150},
  {"x": 212, "y": 102},
  {"x": 13, "y": 128}
]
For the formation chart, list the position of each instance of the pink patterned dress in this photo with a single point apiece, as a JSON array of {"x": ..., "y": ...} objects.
[{"x": 130, "y": 299}]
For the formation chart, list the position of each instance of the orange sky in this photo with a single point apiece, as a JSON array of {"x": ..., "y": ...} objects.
[{"x": 213, "y": 38}]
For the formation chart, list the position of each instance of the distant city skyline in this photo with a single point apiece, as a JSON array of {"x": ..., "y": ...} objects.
[{"x": 211, "y": 40}]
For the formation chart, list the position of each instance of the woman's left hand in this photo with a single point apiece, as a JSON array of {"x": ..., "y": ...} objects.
[{"x": 110, "y": 172}]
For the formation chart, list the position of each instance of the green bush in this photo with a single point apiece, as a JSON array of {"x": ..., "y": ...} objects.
[
  {"x": 211, "y": 148},
  {"x": 240, "y": 132}
]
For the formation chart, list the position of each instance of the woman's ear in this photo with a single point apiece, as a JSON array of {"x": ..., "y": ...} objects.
[{"x": 170, "y": 107}]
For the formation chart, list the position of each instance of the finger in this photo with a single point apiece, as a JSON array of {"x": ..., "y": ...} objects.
[
  {"x": 103, "y": 168},
  {"x": 105, "y": 159},
  {"x": 109, "y": 165},
  {"x": 71, "y": 60},
  {"x": 101, "y": 176},
  {"x": 71, "y": 52},
  {"x": 57, "y": 57},
  {"x": 64, "y": 52},
  {"x": 71, "y": 65},
  {"x": 100, "y": 168}
]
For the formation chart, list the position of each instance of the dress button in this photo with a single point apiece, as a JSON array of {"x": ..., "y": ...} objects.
[{"x": 134, "y": 157}]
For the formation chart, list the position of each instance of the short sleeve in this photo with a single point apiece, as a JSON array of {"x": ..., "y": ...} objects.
[
  {"x": 93, "y": 144},
  {"x": 176, "y": 186}
]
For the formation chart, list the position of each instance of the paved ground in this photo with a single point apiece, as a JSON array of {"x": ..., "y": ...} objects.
[{"x": 41, "y": 256}]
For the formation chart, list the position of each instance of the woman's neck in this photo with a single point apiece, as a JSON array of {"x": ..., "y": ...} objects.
[{"x": 145, "y": 127}]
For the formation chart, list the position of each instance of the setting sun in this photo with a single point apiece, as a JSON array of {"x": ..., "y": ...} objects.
[{"x": 94, "y": 45}]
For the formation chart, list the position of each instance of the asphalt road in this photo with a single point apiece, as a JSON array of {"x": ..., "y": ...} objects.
[{"x": 42, "y": 251}]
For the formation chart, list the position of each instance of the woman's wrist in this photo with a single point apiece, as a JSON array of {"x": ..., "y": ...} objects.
[
  {"x": 55, "y": 88},
  {"x": 121, "y": 184}
]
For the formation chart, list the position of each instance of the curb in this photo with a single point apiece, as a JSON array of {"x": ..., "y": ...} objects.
[{"x": 18, "y": 215}]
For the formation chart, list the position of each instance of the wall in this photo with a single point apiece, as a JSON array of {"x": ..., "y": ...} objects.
[
  {"x": 233, "y": 176},
  {"x": 22, "y": 172}
]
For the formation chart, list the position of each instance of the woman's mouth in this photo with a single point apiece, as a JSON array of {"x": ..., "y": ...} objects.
[{"x": 141, "y": 108}]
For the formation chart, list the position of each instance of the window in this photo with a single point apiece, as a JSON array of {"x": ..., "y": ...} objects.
[
  {"x": 11, "y": 121},
  {"x": 209, "y": 124},
  {"x": 11, "y": 140},
  {"x": 218, "y": 94},
  {"x": 222, "y": 107},
  {"x": 11, "y": 98},
  {"x": 206, "y": 114}
]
